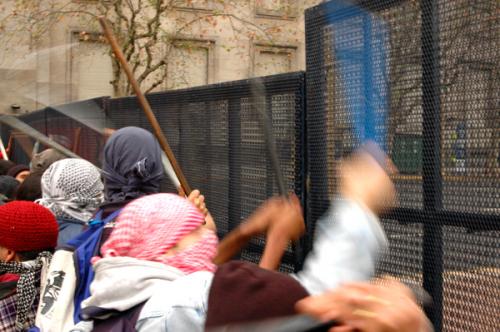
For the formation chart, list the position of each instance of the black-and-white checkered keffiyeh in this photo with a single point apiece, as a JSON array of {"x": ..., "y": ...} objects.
[{"x": 26, "y": 285}]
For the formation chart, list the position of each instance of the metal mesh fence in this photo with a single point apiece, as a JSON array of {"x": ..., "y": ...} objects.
[
  {"x": 434, "y": 66},
  {"x": 217, "y": 138},
  {"x": 419, "y": 77}
]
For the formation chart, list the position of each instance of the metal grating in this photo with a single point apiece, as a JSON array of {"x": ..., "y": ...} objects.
[
  {"x": 217, "y": 139},
  {"x": 434, "y": 66}
]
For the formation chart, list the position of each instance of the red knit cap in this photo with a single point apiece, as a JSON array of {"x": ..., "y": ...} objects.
[{"x": 26, "y": 226}]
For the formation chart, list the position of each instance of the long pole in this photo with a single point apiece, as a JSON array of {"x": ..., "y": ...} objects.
[
  {"x": 269, "y": 259},
  {"x": 145, "y": 105}
]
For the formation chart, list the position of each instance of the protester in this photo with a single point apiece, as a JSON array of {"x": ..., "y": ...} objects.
[
  {"x": 349, "y": 242},
  {"x": 28, "y": 235},
  {"x": 5, "y": 165},
  {"x": 30, "y": 189},
  {"x": 132, "y": 168},
  {"x": 349, "y": 237},
  {"x": 366, "y": 307},
  {"x": 157, "y": 241},
  {"x": 41, "y": 161},
  {"x": 129, "y": 172},
  {"x": 8, "y": 188},
  {"x": 72, "y": 189},
  {"x": 20, "y": 172}
]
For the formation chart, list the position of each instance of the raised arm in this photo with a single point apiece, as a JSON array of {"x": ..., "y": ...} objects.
[{"x": 280, "y": 219}]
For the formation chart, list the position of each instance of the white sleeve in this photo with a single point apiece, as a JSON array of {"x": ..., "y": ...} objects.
[{"x": 348, "y": 244}]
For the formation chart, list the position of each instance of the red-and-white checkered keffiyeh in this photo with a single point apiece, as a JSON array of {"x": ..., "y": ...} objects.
[{"x": 149, "y": 226}]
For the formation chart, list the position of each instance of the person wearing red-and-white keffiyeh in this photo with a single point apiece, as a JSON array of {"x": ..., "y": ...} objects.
[{"x": 28, "y": 235}]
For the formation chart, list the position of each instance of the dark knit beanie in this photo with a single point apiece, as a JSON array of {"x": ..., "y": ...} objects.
[
  {"x": 26, "y": 226},
  {"x": 17, "y": 169},
  {"x": 5, "y": 165},
  {"x": 8, "y": 187},
  {"x": 243, "y": 292},
  {"x": 30, "y": 189}
]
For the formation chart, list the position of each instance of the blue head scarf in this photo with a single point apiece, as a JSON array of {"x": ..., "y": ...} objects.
[{"x": 132, "y": 164}]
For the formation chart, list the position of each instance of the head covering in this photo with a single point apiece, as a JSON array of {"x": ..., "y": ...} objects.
[
  {"x": 72, "y": 189},
  {"x": 26, "y": 226},
  {"x": 243, "y": 292},
  {"x": 149, "y": 226},
  {"x": 14, "y": 171},
  {"x": 41, "y": 161},
  {"x": 8, "y": 187},
  {"x": 132, "y": 164},
  {"x": 30, "y": 189},
  {"x": 5, "y": 165}
]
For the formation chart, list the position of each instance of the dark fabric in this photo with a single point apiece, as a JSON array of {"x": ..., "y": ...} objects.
[
  {"x": 68, "y": 229},
  {"x": 243, "y": 292},
  {"x": 30, "y": 189},
  {"x": 8, "y": 187},
  {"x": 119, "y": 322},
  {"x": 110, "y": 207},
  {"x": 5, "y": 165},
  {"x": 19, "y": 308},
  {"x": 13, "y": 171},
  {"x": 107, "y": 210},
  {"x": 7, "y": 288},
  {"x": 132, "y": 164},
  {"x": 8, "y": 313}
]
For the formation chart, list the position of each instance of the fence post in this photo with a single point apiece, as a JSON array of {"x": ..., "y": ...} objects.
[
  {"x": 234, "y": 192},
  {"x": 432, "y": 181}
]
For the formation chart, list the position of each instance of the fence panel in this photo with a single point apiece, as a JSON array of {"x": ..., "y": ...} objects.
[
  {"x": 421, "y": 78},
  {"x": 217, "y": 139}
]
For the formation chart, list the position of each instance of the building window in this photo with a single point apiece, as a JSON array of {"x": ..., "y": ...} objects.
[
  {"x": 189, "y": 64},
  {"x": 276, "y": 8},
  {"x": 270, "y": 60}
]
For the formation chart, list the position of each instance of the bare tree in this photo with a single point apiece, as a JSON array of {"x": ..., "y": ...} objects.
[{"x": 147, "y": 30}]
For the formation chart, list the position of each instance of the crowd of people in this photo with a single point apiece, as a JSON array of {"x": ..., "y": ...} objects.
[{"x": 89, "y": 250}]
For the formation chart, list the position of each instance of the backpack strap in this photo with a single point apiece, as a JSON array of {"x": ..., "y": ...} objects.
[
  {"x": 112, "y": 216},
  {"x": 97, "y": 220}
]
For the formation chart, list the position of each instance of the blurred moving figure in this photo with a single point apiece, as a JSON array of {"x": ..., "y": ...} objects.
[
  {"x": 349, "y": 237},
  {"x": 365, "y": 307}
]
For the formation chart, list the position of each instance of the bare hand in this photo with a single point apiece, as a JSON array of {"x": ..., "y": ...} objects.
[
  {"x": 198, "y": 200},
  {"x": 287, "y": 219},
  {"x": 366, "y": 307}
]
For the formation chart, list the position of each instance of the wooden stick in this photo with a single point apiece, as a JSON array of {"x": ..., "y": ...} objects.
[{"x": 144, "y": 105}]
